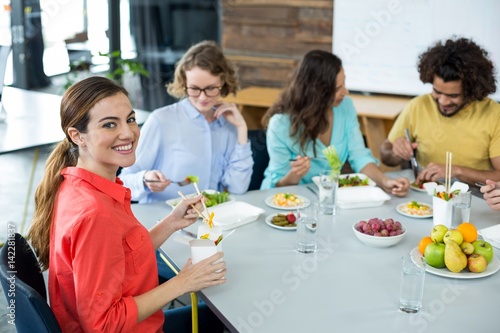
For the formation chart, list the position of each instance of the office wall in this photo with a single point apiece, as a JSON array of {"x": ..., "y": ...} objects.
[
  {"x": 266, "y": 38},
  {"x": 379, "y": 41}
]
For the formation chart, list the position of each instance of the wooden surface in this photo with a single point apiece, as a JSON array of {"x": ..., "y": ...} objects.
[
  {"x": 265, "y": 39},
  {"x": 376, "y": 114}
]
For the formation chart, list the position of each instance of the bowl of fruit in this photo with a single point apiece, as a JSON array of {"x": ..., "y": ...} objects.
[{"x": 378, "y": 232}]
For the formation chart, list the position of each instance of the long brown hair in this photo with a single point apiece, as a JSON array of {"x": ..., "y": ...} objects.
[
  {"x": 206, "y": 55},
  {"x": 308, "y": 96},
  {"x": 76, "y": 104}
]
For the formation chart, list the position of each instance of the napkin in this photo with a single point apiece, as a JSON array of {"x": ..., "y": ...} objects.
[{"x": 491, "y": 235}]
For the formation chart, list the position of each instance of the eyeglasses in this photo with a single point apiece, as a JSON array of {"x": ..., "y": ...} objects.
[{"x": 209, "y": 91}]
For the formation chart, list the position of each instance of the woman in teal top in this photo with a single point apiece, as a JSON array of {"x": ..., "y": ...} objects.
[{"x": 311, "y": 114}]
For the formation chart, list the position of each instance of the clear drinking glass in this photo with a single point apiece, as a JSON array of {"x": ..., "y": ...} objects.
[
  {"x": 328, "y": 184},
  {"x": 412, "y": 284},
  {"x": 463, "y": 201},
  {"x": 307, "y": 225}
]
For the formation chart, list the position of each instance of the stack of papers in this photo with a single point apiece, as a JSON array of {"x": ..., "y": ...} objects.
[{"x": 491, "y": 235}]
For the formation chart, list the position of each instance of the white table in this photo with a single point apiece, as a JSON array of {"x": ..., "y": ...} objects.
[{"x": 346, "y": 286}]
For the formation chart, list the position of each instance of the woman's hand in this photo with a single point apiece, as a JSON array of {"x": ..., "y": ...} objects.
[
  {"x": 194, "y": 277},
  {"x": 298, "y": 169},
  {"x": 396, "y": 186},
  {"x": 183, "y": 214},
  {"x": 155, "y": 181},
  {"x": 234, "y": 117},
  {"x": 231, "y": 113}
]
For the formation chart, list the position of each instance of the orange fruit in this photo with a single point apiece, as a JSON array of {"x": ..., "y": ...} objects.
[
  {"x": 469, "y": 232},
  {"x": 423, "y": 243}
]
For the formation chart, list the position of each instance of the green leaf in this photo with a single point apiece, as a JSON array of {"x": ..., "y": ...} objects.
[{"x": 333, "y": 158}]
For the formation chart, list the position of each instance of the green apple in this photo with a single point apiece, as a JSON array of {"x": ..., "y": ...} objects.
[
  {"x": 438, "y": 232},
  {"x": 476, "y": 263},
  {"x": 467, "y": 248},
  {"x": 434, "y": 254},
  {"x": 453, "y": 235},
  {"x": 483, "y": 248}
]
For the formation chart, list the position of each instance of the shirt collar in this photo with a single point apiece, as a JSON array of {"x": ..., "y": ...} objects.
[
  {"x": 116, "y": 190},
  {"x": 193, "y": 113}
]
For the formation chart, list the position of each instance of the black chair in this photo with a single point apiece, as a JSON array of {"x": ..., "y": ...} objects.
[
  {"x": 24, "y": 287},
  {"x": 260, "y": 157}
]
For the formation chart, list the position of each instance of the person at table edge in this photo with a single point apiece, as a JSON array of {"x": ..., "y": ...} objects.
[
  {"x": 491, "y": 193},
  {"x": 299, "y": 129},
  {"x": 457, "y": 116}
]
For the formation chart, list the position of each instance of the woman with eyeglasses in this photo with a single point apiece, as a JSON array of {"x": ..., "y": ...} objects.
[{"x": 201, "y": 135}]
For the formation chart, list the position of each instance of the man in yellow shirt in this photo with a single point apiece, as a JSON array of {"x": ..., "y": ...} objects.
[{"x": 457, "y": 116}]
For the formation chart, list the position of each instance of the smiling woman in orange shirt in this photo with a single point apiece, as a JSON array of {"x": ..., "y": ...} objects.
[{"x": 103, "y": 275}]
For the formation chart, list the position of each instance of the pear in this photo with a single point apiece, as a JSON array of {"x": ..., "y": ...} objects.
[{"x": 454, "y": 258}]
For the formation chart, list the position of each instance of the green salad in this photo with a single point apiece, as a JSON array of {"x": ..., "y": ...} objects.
[
  {"x": 352, "y": 181},
  {"x": 215, "y": 198}
]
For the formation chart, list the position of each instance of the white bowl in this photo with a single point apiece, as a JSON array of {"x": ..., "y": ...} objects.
[{"x": 377, "y": 241}]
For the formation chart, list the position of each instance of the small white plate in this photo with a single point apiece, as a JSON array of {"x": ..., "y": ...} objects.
[
  {"x": 401, "y": 209},
  {"x": 270, "y": 203},
  {"x": 415, "y": 188},
  {"x": 174, "y": 202},
  {"x": 269, "y": 222},
  {"x": 492, "y": 268}
]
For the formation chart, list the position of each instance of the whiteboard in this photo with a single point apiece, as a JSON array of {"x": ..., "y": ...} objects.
[{"x": 379, "y": 41}]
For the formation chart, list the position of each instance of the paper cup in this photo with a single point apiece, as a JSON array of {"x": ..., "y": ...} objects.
[{"x": 443, "y": 211}]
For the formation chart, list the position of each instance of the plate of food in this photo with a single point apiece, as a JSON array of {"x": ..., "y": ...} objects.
[
  {"x": 286, "y": 201},
  {"x": 214, "y": 198},
  {"x": 420, "y": 188},
  {"x": 350, "y": 180},
  {"x": 282, "y": 221},
  {"x": 492, "y": 268},
  {"x": 355, "y": 180},
  {"x": 415, "y": 209},
  {"x": 417, "y": 188}
]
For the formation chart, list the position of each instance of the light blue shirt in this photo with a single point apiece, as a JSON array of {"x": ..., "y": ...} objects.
[
  {"x": 178, "y": 141},
  {"x": 346, "y": 137}
]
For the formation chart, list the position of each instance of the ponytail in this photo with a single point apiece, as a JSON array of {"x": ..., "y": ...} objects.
[{"x": 65, "y": 154}]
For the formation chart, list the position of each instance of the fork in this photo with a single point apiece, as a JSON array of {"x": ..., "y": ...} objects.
[
  {"x": 180, "y": 183},
  {"x": 413, "y": 159}
]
